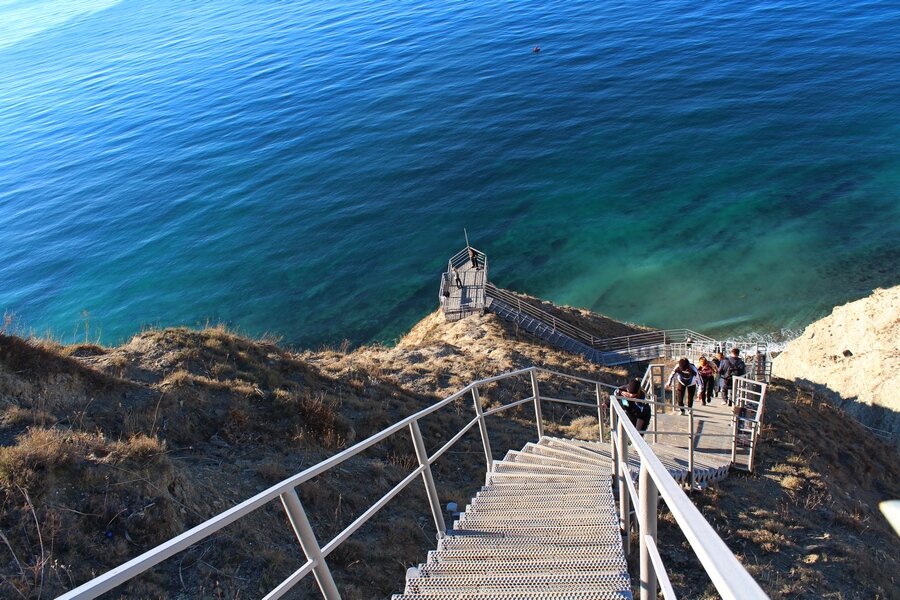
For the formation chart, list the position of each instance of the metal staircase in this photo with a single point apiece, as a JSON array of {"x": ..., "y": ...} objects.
[
  {"x": 544, "y": 526},
  {"x": 543, "y": 330},
  {"x": 553, "y": 520}
]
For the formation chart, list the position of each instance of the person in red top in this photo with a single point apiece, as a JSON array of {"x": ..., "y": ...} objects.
[{"x": 708, "y": 374}]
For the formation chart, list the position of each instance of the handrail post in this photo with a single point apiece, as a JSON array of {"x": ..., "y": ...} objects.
[
  {"x": 428, "y": 478},
  {"x": 482, "y": 426},
  {"x": 613, "y": 450},
  {"x": 299, "y": 521},
  {"x": 537, "y": 405},
  {"x": 754, "y": 436},
  {"x": 624, "y": 498},
  {"x": 691, "y": 449},
  {"x": 599, "y": 411},
  {"x": 648, "y": 497},
  {"x": 734, "y": 434}
]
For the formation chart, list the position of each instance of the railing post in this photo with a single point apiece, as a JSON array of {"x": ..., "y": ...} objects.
[
  {"x": 648, "y": 497},
  {"x": 624, "y": 498},
  {"x": 599, "y": 412},
  {"x": 428, "y": 478},
  {"x": 613, "y": 448},
  {"x": 754, "y": 437},
  {"x": 482, "y": 426},
  {"x": 537, "y": 404},
  {"x": 691, "y": 449},
  {"x": 297, "y": 516},
  {"x": 734, "y": 434}
]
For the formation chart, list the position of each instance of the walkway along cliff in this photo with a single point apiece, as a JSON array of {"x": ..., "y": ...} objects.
[{"x": 558, "y": 517}]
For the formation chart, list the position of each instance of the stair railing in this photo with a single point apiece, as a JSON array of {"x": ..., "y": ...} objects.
[
  {"x": 722, "y": 567},
  {"x": 749, "y": 397},
  {"x": 551, "y": 321},
  {"x": 727, "y": 574}
]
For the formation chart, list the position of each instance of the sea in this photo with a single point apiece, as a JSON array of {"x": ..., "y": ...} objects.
[{"x": 305, "y": 169}]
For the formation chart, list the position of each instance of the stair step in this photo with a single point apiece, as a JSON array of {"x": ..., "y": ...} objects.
[{"x": 600, "y": 581}]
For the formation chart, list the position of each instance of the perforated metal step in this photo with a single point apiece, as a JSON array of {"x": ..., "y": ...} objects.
[{"x": 545, "y": 527}]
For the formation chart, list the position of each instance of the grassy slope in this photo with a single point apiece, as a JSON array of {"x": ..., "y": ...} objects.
[{"x": 108, "y": 451}]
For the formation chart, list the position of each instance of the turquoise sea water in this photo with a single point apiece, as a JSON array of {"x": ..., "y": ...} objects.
[{"x": 306, "y": 168}]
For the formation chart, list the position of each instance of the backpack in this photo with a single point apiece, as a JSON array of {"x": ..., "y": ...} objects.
[
  {"x": 736, "y": 367},
  {"x": 685, "y": 377}
]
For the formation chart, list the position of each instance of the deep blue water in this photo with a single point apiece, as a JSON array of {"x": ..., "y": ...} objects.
[{"x": 306, "y": 168}]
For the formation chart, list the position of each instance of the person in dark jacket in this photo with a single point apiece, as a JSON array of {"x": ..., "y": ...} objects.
[
  {"x": 730, "y": 368},
  {"x": 473, "y": 257},
  {"x": 686, "y": 379},
  {"x": 638, "y": 412}
]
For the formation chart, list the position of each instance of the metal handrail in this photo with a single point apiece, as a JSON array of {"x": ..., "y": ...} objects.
[
  {"x": 727, "y": 574},
  {"x": 316, "y": 554},
  {"x": 541, "y": 315},
  {"x": 630, "y": 342}
]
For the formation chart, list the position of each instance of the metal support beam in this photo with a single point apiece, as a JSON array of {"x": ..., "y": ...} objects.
[
  {"x": 537, "y": 405},
  {"x": 428, "y": 478},
  {"x": 648, "y": 497},
  {"x": 482, "y": 427},
  {"x": 297, "y": 516}
]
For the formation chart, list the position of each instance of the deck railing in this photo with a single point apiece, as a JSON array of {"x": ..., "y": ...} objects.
[
  {"x": 724, "y": 569},
  {"x": 655, "y": 341},
  {"x": 728, "y": 576}
]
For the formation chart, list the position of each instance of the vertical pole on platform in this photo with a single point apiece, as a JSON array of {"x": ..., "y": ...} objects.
[
  {"x": 428, "y": 478},
  {"x": 537, "y": 404},
  {"x": 624, "y": 498},
  {"x": 482, "y": 426},
  {"x": 300, "y": 523},
  {"x": 648, "y": 497}
]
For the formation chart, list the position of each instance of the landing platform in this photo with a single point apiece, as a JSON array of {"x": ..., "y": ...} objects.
[{"x": 462, "y": 301}]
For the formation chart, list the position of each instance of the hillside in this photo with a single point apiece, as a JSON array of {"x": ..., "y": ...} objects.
[
  {"x": 109, "y": 451},
  {"x": 852, "y": 358}
]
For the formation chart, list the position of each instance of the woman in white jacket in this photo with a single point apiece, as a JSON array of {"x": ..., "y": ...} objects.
[{"x": 686, "y": 378}]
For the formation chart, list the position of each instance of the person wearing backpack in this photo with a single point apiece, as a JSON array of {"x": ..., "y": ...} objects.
[
  {"x": 638, "y": 412},
  {"x": 729, "y": 368},
  {"x": 687, "y": 380}
]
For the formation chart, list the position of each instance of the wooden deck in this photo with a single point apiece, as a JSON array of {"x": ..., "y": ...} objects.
[{"x": 465, "y": 300}]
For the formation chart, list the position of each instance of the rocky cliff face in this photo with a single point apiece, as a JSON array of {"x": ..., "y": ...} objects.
[{"x": 853, "y": 357}]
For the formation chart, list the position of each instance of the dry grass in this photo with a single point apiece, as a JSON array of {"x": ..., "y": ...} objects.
[{"x": 107, "y": 451}]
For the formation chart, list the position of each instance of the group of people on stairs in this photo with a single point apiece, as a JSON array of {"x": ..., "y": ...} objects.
[{"x": 708, "y": 379}]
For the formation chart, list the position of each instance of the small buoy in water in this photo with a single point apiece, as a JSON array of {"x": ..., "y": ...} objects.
[{"x": 536, "y": 49}]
